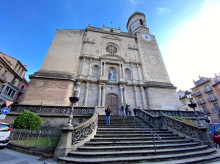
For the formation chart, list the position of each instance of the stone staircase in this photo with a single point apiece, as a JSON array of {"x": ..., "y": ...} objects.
[{"x": 121, "y": 142}]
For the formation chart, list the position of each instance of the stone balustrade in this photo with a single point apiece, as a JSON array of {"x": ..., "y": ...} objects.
[{"x": 42, "y": 109}]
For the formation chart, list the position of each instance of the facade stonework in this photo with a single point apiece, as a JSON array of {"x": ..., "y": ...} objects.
[{"x": 113, "y": 68}]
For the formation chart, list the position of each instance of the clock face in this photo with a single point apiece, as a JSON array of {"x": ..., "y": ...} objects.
[{"x": 146, "y": 37}]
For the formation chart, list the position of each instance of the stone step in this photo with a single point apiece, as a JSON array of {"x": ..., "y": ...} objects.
[
  {"x": 131, "y": 135},
  {"x": 127, "y": 129},
  {"x": 109, "y": 154},
  {"x": 197, "y": 156},
  {"x": 136, "y": 147},
  {"x": 120, "y": 126},
  {"x": 126, "y": 143},
  {"x": 133, "y": 139},
  {"x": 133, "y": 132}
]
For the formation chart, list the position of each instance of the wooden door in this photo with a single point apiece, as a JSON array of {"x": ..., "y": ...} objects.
[{"x": 111, "y": 101}]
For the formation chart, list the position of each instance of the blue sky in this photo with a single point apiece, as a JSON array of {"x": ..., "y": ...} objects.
[{"x": 186, "y": 30}]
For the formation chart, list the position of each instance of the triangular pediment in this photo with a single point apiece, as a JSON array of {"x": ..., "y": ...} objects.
[{"x": 112, "y": 57}]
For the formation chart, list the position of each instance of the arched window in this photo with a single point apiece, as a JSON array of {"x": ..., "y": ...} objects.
[
  {"x": 141, "y": 22},
  {"x": 127, "y": 74},
  {"x": 95, "y": 71}
]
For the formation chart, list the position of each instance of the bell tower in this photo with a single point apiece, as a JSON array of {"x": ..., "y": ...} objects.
[{"x": 137, "y": 22}]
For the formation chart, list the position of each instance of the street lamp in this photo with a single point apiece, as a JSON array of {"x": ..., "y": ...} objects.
[
  {"x": 193, "y": 105},
  {"x": 74, "y": 99}
]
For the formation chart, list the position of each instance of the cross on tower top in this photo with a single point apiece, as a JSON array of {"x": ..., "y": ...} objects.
[{"x": 111, "y": 24}]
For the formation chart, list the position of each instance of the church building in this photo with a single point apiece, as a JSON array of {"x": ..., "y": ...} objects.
[{"x": 112, "y": 67}]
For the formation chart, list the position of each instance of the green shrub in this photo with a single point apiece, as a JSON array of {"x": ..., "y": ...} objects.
[
  {"x": 27, "y": 120},
  {"x": 178, "y": 118}
]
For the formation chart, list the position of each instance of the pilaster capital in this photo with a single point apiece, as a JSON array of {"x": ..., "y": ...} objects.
[
  {"x": 87, "y": 85},
  {"x": 135, "y": 88}
]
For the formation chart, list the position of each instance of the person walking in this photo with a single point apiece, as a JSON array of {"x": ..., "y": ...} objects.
[
  {"x": 126, "y": 109},
  {"x": 122, "y": 109},
  {"x": 135, "y": 111},
  {"x": 108, "y": 112}
]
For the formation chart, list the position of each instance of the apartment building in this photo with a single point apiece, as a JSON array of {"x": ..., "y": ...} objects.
[
  {"x": 12, "y": 81},
  {"x": 207, "y": 96}
]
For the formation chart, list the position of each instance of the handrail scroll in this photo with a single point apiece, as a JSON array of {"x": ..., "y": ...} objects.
[{"x": 73, "y": 137}]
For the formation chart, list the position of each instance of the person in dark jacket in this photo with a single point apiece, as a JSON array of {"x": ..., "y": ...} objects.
[
  {"x": 122, "y": 109},
  {"x": 135, "y": 111},
  {"x": 108, "y": 112},
  {"x": 126, "y": 109}
]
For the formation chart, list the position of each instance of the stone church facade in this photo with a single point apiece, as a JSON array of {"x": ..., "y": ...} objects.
[{"x": 113, "y": 67}]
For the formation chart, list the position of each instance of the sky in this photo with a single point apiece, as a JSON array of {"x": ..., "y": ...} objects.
[{"x": 187, "y": 31}]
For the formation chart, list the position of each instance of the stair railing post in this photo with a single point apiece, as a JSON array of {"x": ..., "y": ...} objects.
[{"x": 162, "y": 120}]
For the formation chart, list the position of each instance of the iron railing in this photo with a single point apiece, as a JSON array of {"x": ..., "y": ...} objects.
[
  {"x": 144, "y": 127},
  {"x": 43, "y": 141}
]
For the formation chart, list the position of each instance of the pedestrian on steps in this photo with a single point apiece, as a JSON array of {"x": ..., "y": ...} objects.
[
  {"x": 122, "y": 109},
  {"x": 126, "y": 109},
  {"x": 135, "y": 110},
  {"x": 108, "y": 112}
]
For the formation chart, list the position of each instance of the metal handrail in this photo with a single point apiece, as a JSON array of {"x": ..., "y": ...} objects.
[{"x": 146, "y": 128}]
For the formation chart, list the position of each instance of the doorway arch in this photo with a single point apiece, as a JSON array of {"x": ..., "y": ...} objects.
[{"x": 111, "y": 101}]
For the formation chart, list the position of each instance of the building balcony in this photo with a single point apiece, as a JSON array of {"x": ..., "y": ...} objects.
[
  {"x": 21, "y": 91},
  {"x": 198, "y": 93},
  {"x": 207, "y": 90},
  {"x": 201, "y": 102},
  {"x": 213, "y": 99}
]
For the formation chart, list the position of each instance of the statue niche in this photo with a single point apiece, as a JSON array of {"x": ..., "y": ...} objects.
[{"x": 112, "y": 75}]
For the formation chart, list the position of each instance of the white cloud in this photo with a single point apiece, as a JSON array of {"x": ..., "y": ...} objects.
[
  {"x": 161, "y": 10},
  {"x": 195, "y": 49}
]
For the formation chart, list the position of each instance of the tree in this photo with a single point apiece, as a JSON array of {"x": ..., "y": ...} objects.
[{"x": 27, "y": 120}]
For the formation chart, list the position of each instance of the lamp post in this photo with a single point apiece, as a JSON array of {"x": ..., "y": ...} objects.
[
  {"x": 74, "y": 99},
  {"x": 193, "y": 105}
]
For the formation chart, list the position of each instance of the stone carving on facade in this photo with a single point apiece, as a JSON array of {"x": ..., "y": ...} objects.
[{"x": 112, "y": 75}]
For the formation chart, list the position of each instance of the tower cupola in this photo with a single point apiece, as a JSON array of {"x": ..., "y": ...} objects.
[{"x": 136, "y": 22}]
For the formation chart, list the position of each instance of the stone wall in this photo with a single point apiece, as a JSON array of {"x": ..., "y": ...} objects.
[
  {"x": 163, "y": 98},
  {"x": 48, "y": 91}
]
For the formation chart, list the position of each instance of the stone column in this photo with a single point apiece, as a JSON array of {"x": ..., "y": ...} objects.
[
  {"x": 135, "y": 96},
  {"x": 101, "y": 69},
  {"x": 121, "y": 94},
  {"x": 100, "y": 95},
  {"x": 132, "y": 72},
  {"x": 125, "y": 102},
  {"x": 143, "y": 98},
  {"x": 123, "y": 71},
  {"x": 86, "y": 94},
  {"x": 103, "y": 95},
  {"x": 104, "y": 69},
  {"x": 82, "y": 71},
  {"x": 139, "y": 77},
  {"x": 120, "y": 71},
  {"x": 90, "y": 69}
]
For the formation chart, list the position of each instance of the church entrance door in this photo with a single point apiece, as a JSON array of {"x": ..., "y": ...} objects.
[{"x": 111, "y": 101}]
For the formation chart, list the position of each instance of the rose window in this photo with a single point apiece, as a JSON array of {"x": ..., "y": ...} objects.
[{"x": 111, "y": 49}]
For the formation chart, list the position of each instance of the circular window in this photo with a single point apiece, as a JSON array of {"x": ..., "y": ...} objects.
[{"x": 111, "y": 49}]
